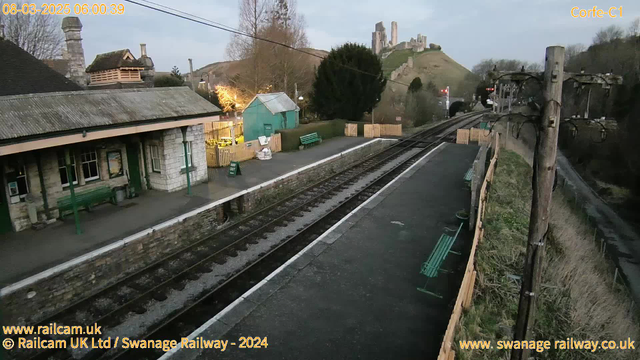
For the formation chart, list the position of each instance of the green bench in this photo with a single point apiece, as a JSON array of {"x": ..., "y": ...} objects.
[
  {"x": 310, "y": 139},
  {"x": 432, "y": 266},
  {"x": 86, "y": 199},
  {"x": 468, "y": 175}
]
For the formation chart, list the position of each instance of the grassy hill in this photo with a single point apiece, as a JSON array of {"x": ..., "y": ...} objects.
[
  {"x": 429, "y": 65},
  {"x": 228, "y": 69}
]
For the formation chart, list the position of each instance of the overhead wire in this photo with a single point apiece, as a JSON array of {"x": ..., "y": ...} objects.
[{"x": 203, "y": 21}]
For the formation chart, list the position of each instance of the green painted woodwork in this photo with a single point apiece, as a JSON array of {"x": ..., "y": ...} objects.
[
  {"x": 469, "y": 174},
  {"x": 259, "y": 121},
  {"x": 234, "y": 169},
  {"x": 310, "y": 139},
  {"x": 133, "y": 160},
  {"x": 85, "y": 199},
  {"x": 432, "y": 267},
  {"x": 5, "y": 216}
]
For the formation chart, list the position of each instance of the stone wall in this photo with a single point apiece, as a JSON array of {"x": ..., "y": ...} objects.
[
  {"x": 400, "y": 70},
  {"x": 35, "y": 298},
  {"x": 172, "y": 174}
]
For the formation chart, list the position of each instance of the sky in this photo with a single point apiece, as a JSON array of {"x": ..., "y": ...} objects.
[{"x": 468, "y": 30}]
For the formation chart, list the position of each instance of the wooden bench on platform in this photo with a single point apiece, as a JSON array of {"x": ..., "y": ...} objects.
[
  {"x": 310, "y": 139},
  {"x": 432, "y": 267},
  {"x": 86, "y": 199}
]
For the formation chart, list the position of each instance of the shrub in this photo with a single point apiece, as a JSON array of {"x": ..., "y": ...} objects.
[{"x": 325, "y": 129}]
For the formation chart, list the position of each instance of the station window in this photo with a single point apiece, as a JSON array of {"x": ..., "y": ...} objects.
[
  {"x": 156, "y": 166},
  {"x": 89, "y": 161},
  {"x": 18, "y": 183},
  {"x": 189, "y": 155},
  {"x": 64, "y": 180}
]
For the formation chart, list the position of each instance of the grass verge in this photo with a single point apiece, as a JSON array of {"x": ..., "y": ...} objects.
[{"x": 576, "y": 300}]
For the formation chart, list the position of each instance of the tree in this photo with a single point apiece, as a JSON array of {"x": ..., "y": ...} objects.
[
  {"x": 570, "y": 54},
  {"x": 167, "y": 81},
  {"x": 634, "y": 28},
  {"x": 210, "y": 96},
  {"x": 175, "y": 72},
  {"x": 608, "y": 34},
  {"x": 349, "y": 82},
  {"x": 416, "y": 85},
  {"x": 39, "y": 35},
  {"x": 432, "y": 88}
]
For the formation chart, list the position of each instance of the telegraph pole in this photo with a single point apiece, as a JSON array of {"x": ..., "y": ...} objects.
[{"x": 544, "y": 164}]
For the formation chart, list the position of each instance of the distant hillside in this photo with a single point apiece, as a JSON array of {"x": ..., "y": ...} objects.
[
  {"x": 224, "y": 70},
  {"x": 429, "y": 65}
]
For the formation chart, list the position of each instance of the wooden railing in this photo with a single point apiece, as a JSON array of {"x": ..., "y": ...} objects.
[
  {"x": 465, "y": 294},
  {"x": 222, "y": 156}
]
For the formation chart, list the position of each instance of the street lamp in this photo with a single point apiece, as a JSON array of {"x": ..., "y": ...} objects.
[
  {"x": 202, "y": 78},
  {"x": 301, "y": 98}
]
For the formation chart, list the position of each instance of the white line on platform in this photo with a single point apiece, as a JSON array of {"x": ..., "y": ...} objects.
[
  {"x": 122, "y": 243},
  {"x": 229, "y": 307}
]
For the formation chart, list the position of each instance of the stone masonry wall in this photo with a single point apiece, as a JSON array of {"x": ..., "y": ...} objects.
[{"x": 35, "y": 301}]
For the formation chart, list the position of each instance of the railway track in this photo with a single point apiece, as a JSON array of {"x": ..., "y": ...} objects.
[{"x": 111, "y": 306}]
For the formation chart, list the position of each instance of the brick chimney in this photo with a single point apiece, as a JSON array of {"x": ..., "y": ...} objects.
[{"x": 72, "y": 27}]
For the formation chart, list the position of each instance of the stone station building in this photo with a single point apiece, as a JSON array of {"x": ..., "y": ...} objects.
[{"x": 127, "y": 139}]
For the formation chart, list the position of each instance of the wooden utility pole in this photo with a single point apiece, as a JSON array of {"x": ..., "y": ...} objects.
[{"x": 544, "y": 164}]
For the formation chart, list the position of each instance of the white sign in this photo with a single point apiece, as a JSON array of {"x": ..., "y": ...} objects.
[{"x": 398, "y": 118}]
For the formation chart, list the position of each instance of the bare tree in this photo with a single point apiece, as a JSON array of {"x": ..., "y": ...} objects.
[
  {"x": 253, "y": 15},
  {"x": 39, "y": 35},
  {"x": 287, "y": 27},
  {"x": 634, "y": 28},
  {"x": 572, "y": 51},
  {"x": 608, "y": 34}
]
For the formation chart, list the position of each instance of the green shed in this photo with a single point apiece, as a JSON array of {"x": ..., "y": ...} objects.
[{"x": 267, "y": 113}]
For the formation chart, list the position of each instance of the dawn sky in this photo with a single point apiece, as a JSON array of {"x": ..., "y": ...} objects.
[{"x": 467, "y": 30}]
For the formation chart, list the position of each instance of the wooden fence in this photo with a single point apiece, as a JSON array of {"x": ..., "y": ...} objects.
[
  {"x": 222, "y": 156},
  {"x": 350, "y": 129},
  {"x": 465, "y": 294},
  {"x": 377, "y": 130},
  {"x": 219, "y": 129},
  {"x": 462, "y": 136},
  {"x": 479, "y": 135}
]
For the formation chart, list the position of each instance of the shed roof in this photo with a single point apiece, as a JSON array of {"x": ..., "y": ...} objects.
[
  {"x": 34, "y": 115},
  {"x": 276, "y": 102},
  {"x": 113, "y": 60},
  {"x": 22, "y": 73}
]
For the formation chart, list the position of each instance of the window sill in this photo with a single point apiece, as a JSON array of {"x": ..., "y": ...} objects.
[{"x": 191, "y": 169}]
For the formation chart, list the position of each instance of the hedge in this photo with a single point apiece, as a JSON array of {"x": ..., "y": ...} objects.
[{"x": 326, "y": 130}]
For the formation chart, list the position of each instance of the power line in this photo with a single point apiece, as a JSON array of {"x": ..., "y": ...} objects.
[{"x": 200, "y": 20}]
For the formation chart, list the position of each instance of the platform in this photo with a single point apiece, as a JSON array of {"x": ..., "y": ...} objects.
[
  {"x": 31, "y": 251},
  {"x": 352, "y": 293}
]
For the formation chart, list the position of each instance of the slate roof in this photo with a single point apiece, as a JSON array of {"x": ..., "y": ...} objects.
[
  {"x": 112, "y": 60},
  {"x": 276, "y": 102},
  {"x": 37, "y": 115},
  {"x": 22, "y": 73},
  {"x": 59, "y": 65}
]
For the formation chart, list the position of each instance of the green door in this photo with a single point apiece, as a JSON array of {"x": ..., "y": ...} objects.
[
  {"x": 133, "y": 159},
  {"x": 5, "y": 218}
]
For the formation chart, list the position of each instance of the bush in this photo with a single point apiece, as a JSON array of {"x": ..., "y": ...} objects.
[{"x": 325, "y": 129}]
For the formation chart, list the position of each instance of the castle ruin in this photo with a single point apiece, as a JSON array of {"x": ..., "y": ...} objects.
[{"x": 379, "y": 40}]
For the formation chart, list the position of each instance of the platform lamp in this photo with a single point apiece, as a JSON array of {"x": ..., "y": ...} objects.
[
  {"x": 202, "y": 82},
  {"x": 301, "y": 98}
]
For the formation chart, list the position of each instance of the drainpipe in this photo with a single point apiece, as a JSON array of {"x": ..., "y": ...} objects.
[
  {"x": 67, "y": 161},
  {"x": 43, "y": 191},
  {"x": 186, "y": 157},
  {"x": 144, "y": 161}
]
